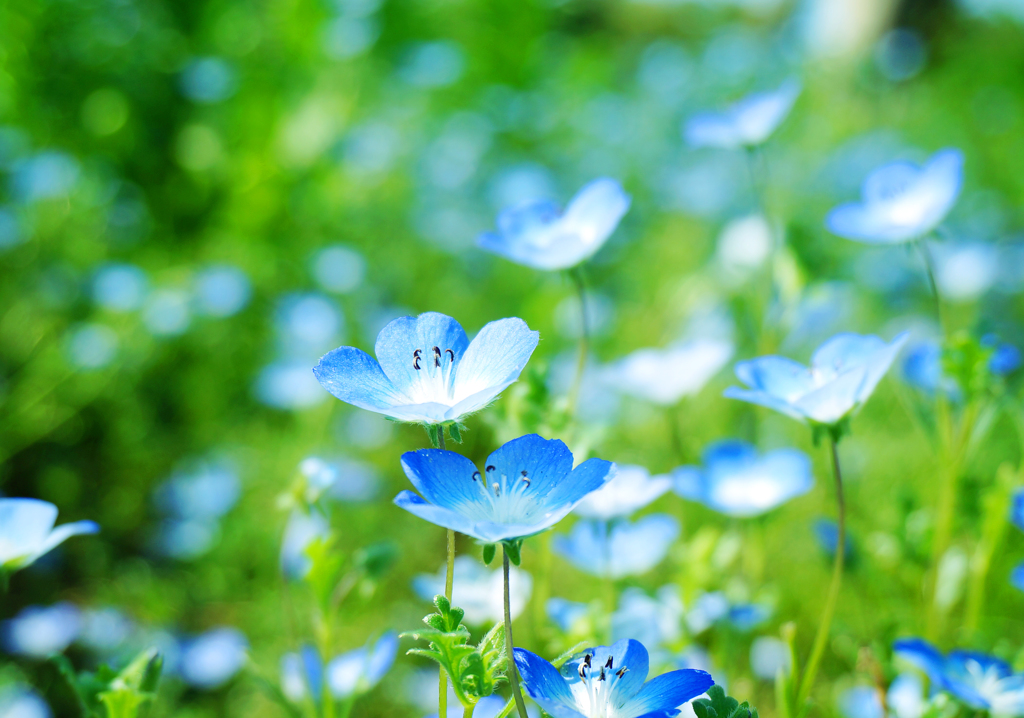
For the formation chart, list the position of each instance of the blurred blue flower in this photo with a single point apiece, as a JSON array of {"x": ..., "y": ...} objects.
[
  {"x": 629, "y": 490},
  {"x": 307, "y": 324},
  {"x": 965, "y": 271},
  {"x": 166, "y": 312},
  {"x": 566, "y": 614},
  {"x": 346, "y": 36},
  {"x": 302, "y": 529},
  {"x": 1017, "y": 510},
  {"x": 41, "y": 631},
  {"x": 653, "y": 620},
  {"x": 527, "y": 486},
  {"x": 900, "y": 54},
  {"x": 210, "y": 660},
  {"x": 426, "y": 369},
  {"x": 91, "y": 346},
  {"x": 1017, "y": 577},
  {"x": 706, "y": 610},
  {"x": 11, "y": 232},
  {"x": 747, "y": 123},
  {"x": 18, "y": 701},
  {"x": 664, "y": 376},
  {"x": 478, "y": 590},
  {"x": 208, "y": 80},
  {"x": 861, "y": 702},
  {"x": 906, "y": 697},
  {"x": 339, "y": 478},
  {"x": 433, "y": 64},
  {"x": 186, "y": 539},
  {"x": 826, "y": 532},
  {"x": 1005, "y": 359},
  {"x": 27, "y": 532},
  {"x": 538, "y": 235},
  {"x": 736, "y": 481},
  {"x": 302, "y": 675},
  {"x": 47, "y": 175},
  {"x": 209, "y": 489},
  {"x": 352, "y": 673},
  {"x": 104, "y": 630},
  {"x": 620, "y": 548},
  {"x": 338, "y": 269},
  {"x": 922, "y": 368},
  {"x": 608, "y": 680},
  {"x": 745, "y": 617},
  {"x": 288, "y": 385},
  {"x": 844, "y": 371},
  {"x": 120, "y": 287},
  {"x": 768, "y": 656},
  {"x": 222, "y": 290},
  {"x": 901, "y": 201}
]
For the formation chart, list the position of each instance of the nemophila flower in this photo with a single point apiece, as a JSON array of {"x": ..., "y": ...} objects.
[
  {"x": 826, "y": 532},
  {"x": 768, "y": 656},
  {"x": 537, "y": 234},
  {"x": 906, "y": 697},
  {"x": 1017, "y": 509},
  {"x": 653, "y": 620},
  {"x": 567, "y": 615},
  {"x": 352, "y": 673},
  {"x": 27, "y": 531},
  {"x": 427, "y": 370},
  {"x": 302, "y": 530},
  {"x": 212, "y": 659},
  {"x": 339, "y": 478},
  {"x": 41, "y": 631},
  {"x": 901, "y": 201},
  {"x": 922, "y": 369},
  {"x": 19, "y": 701},
  {"x": 844, "y": 371},
  {"x": 526, "y": 486},
  {"x": 747, "y": 123},
  {"x": 861, "y": 702},
  {"x": 1017, "y": 577},
  {"x": 737, "y": 481},
  {"x": 664, "y": 376},
  {"x": 618, "y": 549},
  {"x": 608, "y": 682},
  {"x": 629, "y": 490},
  {"x": 478, "y": 590},
  {"x": 104, "y": 630}
]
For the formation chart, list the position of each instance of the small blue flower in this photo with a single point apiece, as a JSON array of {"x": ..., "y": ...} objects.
[
  {"x": 844, "y": 371},
  {"x": 664, "y": 376},
  {"x": 618, "y": 549},
  {"x": 826, "y": 531},
  {"x": 747, "y": 123},
  {"x": 27, "y": 532},
  {"x": 566, "y": 614},
  {"x": 901, "y": 202},
  {"x": 19, "y": 701},
  {"x": 1017, "y": 577},
  {"x": 352, "y": 673},
  {"x": 41, "y": 631},
  {"x": 922, "y": 369},
  {"x": 653, "y": 620},
  {"x": 301, "y": 531},
  {"x": 736, "y": 481},
  {"x": 628, "y": 491},
  {"x": 906, "y": 697},
  {"x": 861, "y": 702},
  {"x": 538, "y": 235},
  {"x": 608, "y": 682},
  {"x": 212, "y": 659},
  {"x": 1017, "y": 509},
  {"x": 427, "y": 370},
  {"x": 527, "y": 486}
]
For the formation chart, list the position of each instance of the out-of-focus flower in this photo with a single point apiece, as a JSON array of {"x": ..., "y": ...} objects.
[
  {"x": 166, "y": 312},
  {"x": 620, "y": 548},
  {"x": 222, "y": 290},
  {"x": 747, "y": 123},
  {"x": 736, "y": 481},
  {"x": 768, "y": 656},
  {"x": 27, "y": 531},
  {"x": 307, "y": 324},
  {"x": 744, "y": 245},
  {"x": 19, "y": 701},
  {"x": 91, "y": 346},
  {"x": 47, "y": 175},
  {"x": 427, "y": 370},
  {"x": 538, "y": 235},
  {"x": 194, "y": 500},
  {"x": 104, "y": 629},
  {"x": 41, "y": 631},
  {"x": 664, "y": 376},
  {"x": 826, "y": 532},
  {"x": 1017, "y": 577},
  {"x": 844, "y": 371},
  {"x": 922, "y": 369},
  {"x": 900, "y": 54},
  {"x": 339, "y": 478},
  {"x": 527, "y": 486},
  {"x": 352, "y": 673},
  {"x": 208, "y": 80},
  {"x": 566, "y": 614},
  {"x": 477, "y": 590},
  {"x": 212, "y": 659},
  {"x": 964, "y": 272},
  {"x": 906, "y": 697},
  {"x": 900, "y": 201},
  {"x": 433, "y": 64},
  {"x": 302, "y": 529},
  {"x": 338, "y": 269},
  {"x": 629, "y": 490},
  {"x": 289, "y": 385},
  {"x": 1017, "y": 511},
  {"x": 120, "y": 287},
  {"x": 861, "y": 702},
  {"x": 653, "y": 620},
  {"x": 706, "y": 610}
]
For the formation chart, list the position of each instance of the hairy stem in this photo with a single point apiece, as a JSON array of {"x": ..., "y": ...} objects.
[
  {"x": 581, "y": 363},
  {"x": 513, "y": 675}
]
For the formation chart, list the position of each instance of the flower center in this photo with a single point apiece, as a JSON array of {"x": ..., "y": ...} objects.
[
  {"x": 508, "y": 497},
  {"x": 435, "y": 375},
  {"x": 599, "y": 682}
]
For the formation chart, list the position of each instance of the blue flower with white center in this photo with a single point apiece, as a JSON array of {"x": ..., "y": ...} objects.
[
  {"x": 737, "y": 481},
  {"x": 901, "y": 201},
  {"x": 537, "y": 234},
  {"x": 350, "y": 674},
  {"x": 906, "y": 697},
  {"x": 608, "y": 682},
  {"x": 628, "y": 491},
  {"x": 861, "y": 702},
  {"x": 526, "y": 486},
  {"x": 27, "y": 531},
  {"x": 427, "y": 370},
  {"x": 844, "y": 372},
  {"x": 747, "y": 123},
  {"x": 664, "y": 376},
  {"x": 618, "y": 549},
  {"x": 1017, "y": 509}
]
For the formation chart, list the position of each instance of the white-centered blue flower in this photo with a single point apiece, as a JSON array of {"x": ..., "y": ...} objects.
[
  {"x": 621, "y": 548},
  {"x": 478, "y": 590},
  {"x": 906, "y": 696},
  {"x": 901, "y": 201},
  {"x": 569, "y": 616},
  {"x": 210, "y": 660},
  {"x": 537, "y": 234},
  {"x": 844, "y": 372},
  {"x": 349, "y": 674},
  {"x": 27, "y": 531},
  {"x": 608, "y": 682},
  {"x": 525, "y": 487},
  {"x": 664, "y": 376},
  {"x": 747, "y": 123},
  {"x": 629, "y": 490},
  {"x": 427, "y": 370},
  {"x": 737, "y": 481},
  {"x": 41, "y": 631}
]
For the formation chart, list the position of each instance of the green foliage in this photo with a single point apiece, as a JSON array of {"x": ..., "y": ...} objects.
[
  {"x": 108, "y": 693},
  {"x": 965, "y": 359},
  {"x": 719, "y": 705},
  {"x": 488, "y": 553},
  {"x": 513, "y": 549}
]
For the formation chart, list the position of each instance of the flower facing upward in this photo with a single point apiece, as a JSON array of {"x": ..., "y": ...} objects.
[
  {"x": 747, "y": 123},
  {"x": 526, "y": 486},
  {"x": 426, "y": 369},
  {"x": 608, "y": 682},
  {"x": 27, "y": 532}
]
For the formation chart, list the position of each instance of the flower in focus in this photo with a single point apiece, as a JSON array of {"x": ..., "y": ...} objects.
[
  {"x": 478, "y": 590},
  {"x": 608, "y": 682},
  {"x": 736, "y": 481},
  {"x": 629, "y": 490},
  {"x": 900, "y": 201},
  {"x": 618, "y": 549},
  {"x": 844, "y": 372},
  {"x": 427, "y": 370},
  {"x": 212, "y": 659},
  {"x": 538, "y": 235},
  {"x": 41, "y": 631},
  {"x": 664, "y": 376},
  {"x": 527, "y": 486},
  {"x": 747, "y": 123},
  {"x": 27, "y": 531},
  {"x": 352, "y": 673}
]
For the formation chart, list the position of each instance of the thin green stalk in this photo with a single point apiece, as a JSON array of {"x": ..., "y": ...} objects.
[
  {"x": 449, "y": 582},
  {"x": 581, "y": 363},
  {"x": 325, "y": 647},
  {"x": 513, "y": 675},
  {"x": 929, "y": 268},
  {"x": 821, "y": 639},
  {"x": 346, "y": 707},
  {"x": 996, "y": 505}
]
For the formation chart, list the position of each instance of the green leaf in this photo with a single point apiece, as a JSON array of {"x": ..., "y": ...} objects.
[
  {"x": 512, "y": 550},
  {"x": 719, "y": 705},
  {"x": 433, "y": 434},
  {"x": 489, "y": 551},
  {"x": 455, "y": 432}
]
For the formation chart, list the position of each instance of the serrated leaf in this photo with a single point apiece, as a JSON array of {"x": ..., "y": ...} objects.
[{"x": 720, "y": 705}]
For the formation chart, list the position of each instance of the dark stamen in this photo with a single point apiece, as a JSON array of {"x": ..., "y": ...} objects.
[
  {"x": 416, "y": 363},
  {"x": 437, "y": 357},
  {"x": 476, "y": 475},
  {"x": 608, "y": 665},
  {"x": 489, "y": 468},
  {"x": 621, "y": 671},
  {"x": 451, "y": 355}
]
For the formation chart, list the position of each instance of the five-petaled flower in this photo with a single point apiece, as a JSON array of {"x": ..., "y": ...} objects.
[
  {"x": 747, "y": 123},
  {"x": 27, "y": 532}
]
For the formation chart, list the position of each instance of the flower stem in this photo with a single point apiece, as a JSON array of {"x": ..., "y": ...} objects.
[
  {"x": 467, "y": 711},
  {"x": 513, "y": 675},
  {"x": 449, "y": 582},
  {"x": 581, "y": 363},
  {"x": 929, "y": 268},
  {"x": 832, "y": 597}
]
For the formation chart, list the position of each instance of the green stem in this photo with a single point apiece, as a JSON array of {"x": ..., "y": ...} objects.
[
  {"x": 513, "y": 675},
  {"x": 467, "y": 711},
  {"x": 581, "y": 363},
  {"x": 449, "y": 582},
  {"x": 346, "y": 707},
  {"x": 821, "y": 639},
  {"x": 929, "y": 268}
]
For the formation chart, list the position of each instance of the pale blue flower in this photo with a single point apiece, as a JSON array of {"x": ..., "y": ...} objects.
[
  {"x": 222, "y": 290},
  {"x": 768, "y": 656},
  {"x": 826, "y": 532},
  {"x": 901, "y": 201},
  {"x": 737, "y": 481},
  {"x": 861, "y": 702},
  {"x": 747, "y": 123},
  {"x": 1017, "y": 509},
  {"x": 41, "y": 631},
  {"x": 566, "y": 614},
  {"x": 212, "y": 659},
  {"x": 906, "y": 697},
  {"x": 478, "y": 590},
  {"x": 339, "y": 478},
  {"x": 27, "y": 531},
  {"x": 706, "y": 610},
  {"x": 91, "y": 346},
  {"x": 302, "y": 530},
  {"x": 18, "y": 701},
  {"x": 538, "y": 235},
  {"x": 608, "y": 682},
  {"x": 628, "y": 491},
  {"x": 352, "y": 673},
  {"x": 618, "y": 549},
  {"x": 104, "y": 630},
  {"x": 527, "y": 486},
  {"x": 653, "y": 620},
  {"x": 427, "y": 370},
  {"x": 664, "y": 376},
  {"x": 1017, "y": 577},
  {"x": 844, "y": 371}
]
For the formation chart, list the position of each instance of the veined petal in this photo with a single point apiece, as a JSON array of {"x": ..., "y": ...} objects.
[
  {"x": 495, "y": 358},
  {"x": 445, "y": 518},
  {"x": 667, "y": 692},
  {"x": 397, "y": 347},
  {"x": 764, "y": 399},
  {"x": 353, "y": 376},
  {"x": 627, "y": 653},
  {"x": 834, "y": 400},
  {"x": 545, "y": 685},
  {"x": 547, "y": 463},
  {"x": 775, "y": 375},
  {"x": 589, "y": 476},
  {"x": 62, "y": 533},
  {"x": 445, "y": 478}
]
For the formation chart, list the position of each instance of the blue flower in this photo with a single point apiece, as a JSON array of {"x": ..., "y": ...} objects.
[
  {"x": 27, "y": 532},
  {"x": 212, "y": 659},
  {"x": 861, "y": 702},
  {"x": 608, "y": 682},
  {"x": 352, "y": 673},
  {"x": 844, "y": 371},
  {"x": 653, "y": 620},
  {"x": 629, "y": 490},
  {"x": 428, "y": 370},
  {"x": 478, "y": 590},
  {"x": 566, "y": 614},
  {"x": 618, "y": 549},
  {"x": 1017, "y": 509},
  {"x": 538, "y": 235},
  {"x": 922, "y": 369},
  {"x": 736, "y": 481},
  {"x": 901, "y": 202},
  {"x": 41, "y": 631},
  {"x": 301, "y": 531},
  {"x": 527, "y": 486},
  {"x": 664, "y": 376},
  {"x": 747, "y": 123},
  {"x": 1017, "y": 577},
  {"x": 826, "y": 532},
  {"x": 19, "y": 701}
]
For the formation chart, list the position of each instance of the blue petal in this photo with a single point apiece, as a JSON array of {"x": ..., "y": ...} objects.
[
  {"x": 381, "y": 657},
  {"x": 593, "y": 214},
  {"x": 638, "y": 547},
  {"x": 775, "y": 375},
  {"x": 865, "y": 223},
  {"x": 836, "y": 399},
  {"x": 728, "y": 452},
  {"x": 399, "y": 340},
  {"x": 844, "y": 351},
  {"x": 667, "y": 692},
  {"x": 1017, "y": 513},
  {"x": 922, "y": 655},
  {"x": 547, "y": 462},
  {"x": 445, "y": 478},
  {"x": 688, "y": 482},
  {"x": 711, "y": 129},
  {"x": 586, "y": 547},
  {"x": 24, "y": 526},
  {"x": 493, "y": 360},
  {"x": 764, "y": 399},
  {"x": 1017, "y": 577},
  {"x": 889, "y": 181},
  {"x": 743, "y": 484},
  {"x": 62, "y": 533},
  {"x": 627, "y": 653},
  {"x": 312, "y": 672},
  {"x": 589, "y": 476},
  {"x": 445, "y": 518},
  {"x": 758, "y": 115},
  {"x": 545, "y": 685},
  {"x": 353, "y": 376}
]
